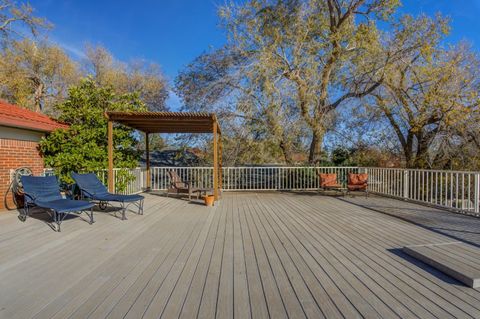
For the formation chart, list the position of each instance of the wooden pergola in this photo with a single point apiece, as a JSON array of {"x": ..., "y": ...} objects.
[{"x": 168, "y": 122}]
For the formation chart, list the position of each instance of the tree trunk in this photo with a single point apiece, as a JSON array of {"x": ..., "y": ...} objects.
[
  {"x": 287, "y": 152},
  {"x": 315, "y": 153},
  {"x": 408, "y": 152},
  {"x": 421, "y": 156},
  {"x": 38, "y": 96}
]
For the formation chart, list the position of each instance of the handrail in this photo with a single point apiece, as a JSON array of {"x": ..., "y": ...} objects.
[{"x": 456, "y": 190}]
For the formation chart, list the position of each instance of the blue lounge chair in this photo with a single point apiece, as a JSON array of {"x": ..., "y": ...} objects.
[
  {"x": 92, "y": 188},
  {"x": 44, "y": 192}
]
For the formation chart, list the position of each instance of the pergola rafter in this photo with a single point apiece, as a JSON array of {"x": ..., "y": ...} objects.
[{"x": 168, "y": 122}]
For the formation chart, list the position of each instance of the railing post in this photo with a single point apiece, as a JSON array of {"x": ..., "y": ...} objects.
[
  {"x": 405, "y": 184},
  {"x": 477, "y": 190},
  {"x": 278, "y": 178}
]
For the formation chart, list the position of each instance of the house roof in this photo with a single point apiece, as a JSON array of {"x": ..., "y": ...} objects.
[
  {"x": 167, "y": 122},
  {"x": 16, "y": 116}
]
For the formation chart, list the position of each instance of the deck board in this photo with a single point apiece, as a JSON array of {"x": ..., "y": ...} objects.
[{"x": 251, "y": 256}]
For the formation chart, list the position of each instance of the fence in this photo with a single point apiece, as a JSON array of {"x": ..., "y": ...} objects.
[
  {"x": 448, "y": 189},
  {"x": 250, "y": 178},
  {"x": 457, "y": 190},
  {"x": 128, "y": 181}
]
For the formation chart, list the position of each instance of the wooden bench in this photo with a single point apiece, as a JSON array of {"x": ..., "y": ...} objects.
[{"x": 456, "y": 259}]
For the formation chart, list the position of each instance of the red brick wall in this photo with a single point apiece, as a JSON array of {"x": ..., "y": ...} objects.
[{"x": 15, "y": 154}]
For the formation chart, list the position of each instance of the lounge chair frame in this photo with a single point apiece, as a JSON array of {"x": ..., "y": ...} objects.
[
  {"x": 57, "y": 216},
  {"x": 103, "y": 204}
]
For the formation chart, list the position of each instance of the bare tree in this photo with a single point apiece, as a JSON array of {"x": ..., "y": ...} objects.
[
  {"x": 36, "y": 74},
  {"x": 429, "y": 94},
  {"x": 138, "y": 76},
  {"x": 14, "y": 16}
]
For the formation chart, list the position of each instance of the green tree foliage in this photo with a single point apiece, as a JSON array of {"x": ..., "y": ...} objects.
[
  {"x": 341, "y": 156},
  {"x": 83, "y": 146}
]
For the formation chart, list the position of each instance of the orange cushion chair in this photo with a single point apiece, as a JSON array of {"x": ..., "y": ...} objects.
[
  {"x": 357, "y": 182},
  {"x": 328, "y": 181}
]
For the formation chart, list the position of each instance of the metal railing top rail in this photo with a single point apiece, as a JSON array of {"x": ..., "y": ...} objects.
[{"x": 421, "y": 169}]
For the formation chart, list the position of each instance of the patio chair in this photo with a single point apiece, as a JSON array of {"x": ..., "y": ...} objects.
[
  {"x": 92, "y": 188},
  {"x": 44, "y": 192},
  {"x": 357, "y": 182},
  {"x": 328, "y": 181},
  {"x": 179, "y": 186}
]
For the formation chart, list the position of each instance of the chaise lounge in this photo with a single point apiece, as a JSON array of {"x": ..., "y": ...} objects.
[
  {"x": 44, "y": 192},
  {"x": 92, "y": 188}
]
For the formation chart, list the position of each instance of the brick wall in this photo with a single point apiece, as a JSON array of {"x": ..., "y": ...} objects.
[{"x": 15, "y": 154}]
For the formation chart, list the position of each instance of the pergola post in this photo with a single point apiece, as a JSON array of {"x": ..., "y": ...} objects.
[
  {"x": 215, "y": 160},
  {"x": 111, "y": 181},
  {"x": 220, "y": 160},
  {"x": 147, "y": 157}
]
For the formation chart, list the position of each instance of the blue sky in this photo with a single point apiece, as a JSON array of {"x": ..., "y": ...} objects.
[{"x": 174, "y": 32}]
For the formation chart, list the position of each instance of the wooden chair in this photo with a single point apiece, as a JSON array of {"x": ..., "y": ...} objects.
[
  {"x": 357, "y": 182},
  {"x": 179, "y": 186}
]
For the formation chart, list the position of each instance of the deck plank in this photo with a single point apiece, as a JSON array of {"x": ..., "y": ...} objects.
[
  {"x": 377, "y": 239},
  {"x": 368, "y": 263},
  {"x": 264, "y": 255}
]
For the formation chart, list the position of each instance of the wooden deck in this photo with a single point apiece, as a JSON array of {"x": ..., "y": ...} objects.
[{"x": 254, "y": 255}]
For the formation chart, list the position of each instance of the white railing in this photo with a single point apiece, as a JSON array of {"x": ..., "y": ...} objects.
[
  {"x": 279, "y": 178},
  {"x": 201, "y": 177},
  {"x": 250, "y": 178},
  {"x": 458, "y": 190},
  {"x": 131, "y": 180}
]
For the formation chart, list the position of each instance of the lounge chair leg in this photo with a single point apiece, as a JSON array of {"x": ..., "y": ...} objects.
[
  {"x": 91, "y": 216},
  {"x": 123, "y": 211},
  {"x": 23, "y": 216},
  {"x": 57, "y": 222}
]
